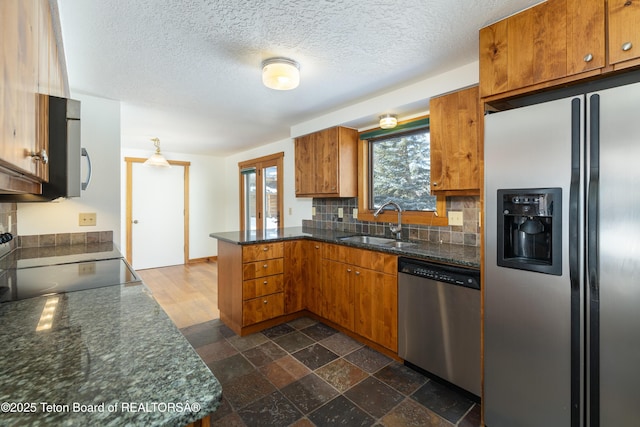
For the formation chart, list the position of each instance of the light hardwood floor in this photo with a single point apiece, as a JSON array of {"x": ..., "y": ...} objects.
[{"x": 187, "y": 293}]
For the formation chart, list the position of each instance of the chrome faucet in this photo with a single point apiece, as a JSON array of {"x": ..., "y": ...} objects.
[{"x": 394, "y": 229}]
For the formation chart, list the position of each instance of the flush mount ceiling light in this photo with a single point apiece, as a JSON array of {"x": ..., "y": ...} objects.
[
  {"x": 280, "y": 73},
  {"x": 157, "y": 159},
  {"x": 388, "y": 121}
]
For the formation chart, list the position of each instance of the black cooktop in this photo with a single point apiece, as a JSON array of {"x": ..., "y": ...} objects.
[{"x": 23, "y": 274}]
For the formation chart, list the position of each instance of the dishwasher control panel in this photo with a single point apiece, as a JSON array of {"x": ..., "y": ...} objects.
[{"x": 440, "y": 273}]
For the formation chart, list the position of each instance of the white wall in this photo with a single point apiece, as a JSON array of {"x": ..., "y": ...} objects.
[
  {"x": 100, "y": 130},
  {"x": 208, "y": 206},
  {"x": 300, "y": 208}
]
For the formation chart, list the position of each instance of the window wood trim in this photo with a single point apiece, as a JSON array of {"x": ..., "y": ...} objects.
[
  {"x": 259, "y": 163},
  {"x": 438, "y": 218}
]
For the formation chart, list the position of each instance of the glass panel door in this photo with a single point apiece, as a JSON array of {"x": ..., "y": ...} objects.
[
  {"x": 270, "y": 197},
  {"x": 250, "y": 199}
]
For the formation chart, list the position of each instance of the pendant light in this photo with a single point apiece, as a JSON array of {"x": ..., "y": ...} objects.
[
  {"x": 388, "y": 121},
  {"x": 157, "y": 159},
  {"x": 280, "y": 73}
]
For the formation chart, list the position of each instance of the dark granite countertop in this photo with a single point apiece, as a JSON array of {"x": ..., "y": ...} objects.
[
  {"x": 112, "y": 349},
  {"x": 467, "y": 256}
]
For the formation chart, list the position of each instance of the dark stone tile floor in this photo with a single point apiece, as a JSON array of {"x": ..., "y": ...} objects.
[{"x": 305, "y": 373}]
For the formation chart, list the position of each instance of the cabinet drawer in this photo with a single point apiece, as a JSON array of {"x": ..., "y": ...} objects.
[
  {"x": 364, "y": 258},
  {"x": 264, "y": 251},
  {"x": 262, "y": 308},
  {"x": 263, "y": 286},
  {"x": 269, "y": 267}
]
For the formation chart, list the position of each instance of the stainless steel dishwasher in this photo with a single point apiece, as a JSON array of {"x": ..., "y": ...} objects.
[{"x": 439, "y": 321}]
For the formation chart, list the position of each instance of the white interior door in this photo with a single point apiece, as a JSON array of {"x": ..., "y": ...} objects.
[{"x": 158, "y": 216}]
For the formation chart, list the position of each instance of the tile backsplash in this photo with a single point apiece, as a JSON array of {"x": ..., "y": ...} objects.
[
  {"x": 326, "y": 217},
  {"x": 65, "y": 239}
]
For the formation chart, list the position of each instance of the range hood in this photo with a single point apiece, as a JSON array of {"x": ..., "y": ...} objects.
[{"x": 65, "y": 154}]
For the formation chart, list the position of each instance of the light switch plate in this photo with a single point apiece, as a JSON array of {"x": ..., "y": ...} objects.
[
  {"x": 340, "y": 213},
  {"x": 455, "y": 218},
  {"x": 355, "y": 213}
]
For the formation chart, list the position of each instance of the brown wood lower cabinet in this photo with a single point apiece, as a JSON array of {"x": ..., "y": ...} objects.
[
  {"x": 337, "y": 293},
  {"x": 262, "y": 308},
  {"x": 376, "y": 307},
  {"x": 265, "y": 284},
  {"x": 360, "y": 292}
]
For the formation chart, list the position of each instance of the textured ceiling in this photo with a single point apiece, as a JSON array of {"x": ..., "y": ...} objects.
[{"x": 189, "y": 71}]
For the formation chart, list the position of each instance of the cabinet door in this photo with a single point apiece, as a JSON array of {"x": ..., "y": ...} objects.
[
  {"x": 585, "y": 35},
  {"x": 337, "y": 290},
  {"x": 376, "y": 307},
  {"x": 493, "y": 56},
  {"x": 294, "y": 275},
  {"x": 454, "y": 141},
  {"x": 314, "y": 300},
  {"x": 624, "y": 31},
  {"x": 549, "y": 41},
  {"x": 327, "y": 161},
  {"x": 304, "y": 159},
  {"x": 19, "y": 33}
]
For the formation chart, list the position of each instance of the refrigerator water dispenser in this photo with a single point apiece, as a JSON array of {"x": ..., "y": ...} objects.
[{"x": 530, "y": 229}]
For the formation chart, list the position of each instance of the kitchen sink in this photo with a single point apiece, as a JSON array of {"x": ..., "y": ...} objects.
[
  {"x": 368, "y": 240},
  {"x": 378, "y": 241}
]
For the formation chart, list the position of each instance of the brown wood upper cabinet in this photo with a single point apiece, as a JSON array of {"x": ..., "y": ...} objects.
[
  {"x": 32, "y": 64},
  {"x": 624, "y": 33},
  {"x": 555, "y": 42},
  {"x": 455, "y": 139},
  {"x": 326, "y": 163}
]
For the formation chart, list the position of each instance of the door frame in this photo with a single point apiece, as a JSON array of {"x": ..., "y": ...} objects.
[
  {"x": 259, "y": 163},
  {"x": 129, "y": 205}
]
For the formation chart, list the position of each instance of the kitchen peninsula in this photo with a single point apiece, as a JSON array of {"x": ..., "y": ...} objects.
[
  {"x": 111, "y": 356},
  {"x": 272, "y": 276}
]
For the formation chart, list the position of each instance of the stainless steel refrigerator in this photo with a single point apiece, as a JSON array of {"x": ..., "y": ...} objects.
[{"x": 562, "y": 260}]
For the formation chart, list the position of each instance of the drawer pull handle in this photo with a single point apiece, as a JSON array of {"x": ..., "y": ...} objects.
[
  {"x": 627, "y": 46},
  {"x": 588, "y": 57},
  {"x": 265, "y": 301},
  {"x": 348, "y": 270},
  {"x": 357, "y": 273},
  {"x": 266, "y": 248},
  {"x": 266, "y": 265},
  {"x": 265, "y": 282}
]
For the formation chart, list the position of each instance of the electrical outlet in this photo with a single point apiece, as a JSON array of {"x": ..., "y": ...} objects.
[
  {"x": 290, "y": 211},
  {"x": 313, "y": 211},
  {"x": 455, "y": 218},
  {"x": 340, "y": 213},
  {"x": 87, "y": 218},
  {"x": 355, "y": 213},
  {"x": 86, "y": 268}
]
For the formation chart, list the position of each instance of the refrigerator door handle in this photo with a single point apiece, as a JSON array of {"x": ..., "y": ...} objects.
[
  {"x": 574, "y": 193},
  {"x": 574, "y": 263},
  {"x": 593, "y": 278}
]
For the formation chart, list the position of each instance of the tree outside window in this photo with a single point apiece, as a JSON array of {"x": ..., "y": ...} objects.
[{"x": 400, "y": 168}]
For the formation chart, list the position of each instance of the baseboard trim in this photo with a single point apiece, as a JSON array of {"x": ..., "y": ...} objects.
[{"x": 205, "y": 259}]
